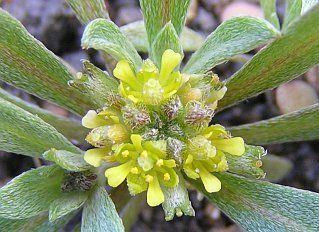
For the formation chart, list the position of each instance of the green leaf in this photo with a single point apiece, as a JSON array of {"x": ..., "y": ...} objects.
[
  {"x": 27, "y": 64},
  {"x": 30, "y": 193},
  {"x": 131, "y": 211},
  {"x": 275, "y": 167},
  {"x": 67, "y": 160},
  {"x": 68, "y": 128},
  {"x": 233, "y": 37},
  {"x": 37, "y": 223},
  {"x": 307, "y": 5},
  {"x": 249, "y": 163},
  {"x": 27, "y": 134},
  {"x": 136, "y": 33},
  {"x": 167, "y": 38},
  {"x": 296, "y": 126},
  {"x": 102, "y": 34},
  {"x": 269, "y": 8},
  {"x": 99, "y": 213},
  {"x": 293, "y": 10},
  {"x": 263, "y": 206},
  {"x": 157, "y": 13},
  {"x": 283, "y": 60},
  {"x": 86, "y": 11},
  {"x": 67, "y": 203}
]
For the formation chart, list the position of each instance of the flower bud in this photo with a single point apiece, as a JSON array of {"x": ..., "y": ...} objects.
[
  {"x": 106, "y": 135},
  {"x": 197, "y": 114},
  {"x": 201, "y": 148},
  {"x": 172, "y": 108},
  {"x": 174, "y": 149},
  {"x": 135, "y": 117}
]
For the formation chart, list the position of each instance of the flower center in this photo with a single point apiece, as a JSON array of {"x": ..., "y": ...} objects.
[{"x": 153, "y": 91}]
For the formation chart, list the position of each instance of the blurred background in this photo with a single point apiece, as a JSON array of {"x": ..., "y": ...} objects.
[{"x": 55, "y": 25}]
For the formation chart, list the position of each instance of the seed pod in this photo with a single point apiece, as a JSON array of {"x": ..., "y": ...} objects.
[
  {"x": 135, "y": 117},
  {"x": 151, "y": 134},
  {"x": 172, "y": 108},
  {"x": 197, "y": 114},
  {"x": 174, "y": 149},
  {"x": 78, "y": 181},
  {"x": 114, "y": 100}
]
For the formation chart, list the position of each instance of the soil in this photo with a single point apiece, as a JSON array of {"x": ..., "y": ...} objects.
[{"x": 53, "y": 23}]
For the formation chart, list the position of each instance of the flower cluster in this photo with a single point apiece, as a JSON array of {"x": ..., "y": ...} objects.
[{"x": 156, "y": 128}]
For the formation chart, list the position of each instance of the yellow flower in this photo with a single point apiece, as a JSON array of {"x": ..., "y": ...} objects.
[
  {"x": 145, "y": 166},
  {"x": 150, "y": 86},
  {"x": 106, "y": 131},
  {"x": 206, "y": 154}
]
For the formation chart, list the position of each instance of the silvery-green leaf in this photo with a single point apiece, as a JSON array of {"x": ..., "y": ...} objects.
[
  {"x": 30, "y": 193},
  {"x": 269, "y": 8},
  {"x": 102, "y": 34},
  {"x": 27, "y": 64},
  {"x": 67, "y": 203},
  {"x": 67, "y": 160},
  {"x": 157, "y": 13},
  {"x": 300, "y": 125},
  {"x": 99, "y": 213},
  {"x": 38, "y": 223},
  {"x": 26, "y": 134},
  {"x": 86, "y": 11},
  {"x": 67, "y": 127},
  {"x": 260, "y": 206},
  {"x": 136, "y": 33},
  {"x": 285, "y": 59},
  {"x": 233, "y": 37},
  {"x": 167, "y": 38},
  {"x": 275, "y": 167}
]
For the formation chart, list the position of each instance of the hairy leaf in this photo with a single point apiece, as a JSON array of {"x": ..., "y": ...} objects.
[
  {"x": 269, "y": 8},
  {"x": 67, "y": 203},
  {"x": 86, "y": 11},
  {"x": 95, "y": 83},
  {"x": 296, "y": 126},
  {"x": 102, "y": 34},
  {"x": 99, "y": 214},
  {"x": 67, "y": 160},
  {"x": 275, "y": 167},
  {"x": 307, "y": 5},
  {"x": 68, "y": 128},
  {"x": 293, "y": 10},
  {"x": 30, "y": 193},
  {"x": 27, "y": 134},
  {"x": 37, "y": 223},
  {"x": 283, "y": 60},
  {"x": 157, "y": 13},
  {"x": 263, "y": 206},
  {"x": 233, "y": 37},
  {"x": 166, "y": 39},
  {"x": 136, "y": 33},
  {"x": 27, "y": 64}
]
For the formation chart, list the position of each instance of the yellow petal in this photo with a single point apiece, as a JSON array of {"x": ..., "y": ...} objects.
[
  {"x": 95, "y": 156},
  {"x": 92, "y": 120},
  {"x": 155, "y": 195},
  {"x": 124, "y": 72},
  {"x": 137, "y": 141},
  {"x": 211, "y": 182},
  {"x": 136, "y": 184},
  {"x": 233, "y": 146},
  {"x": 116, "y": 175},
  {"x": 170, "y": 60}
]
